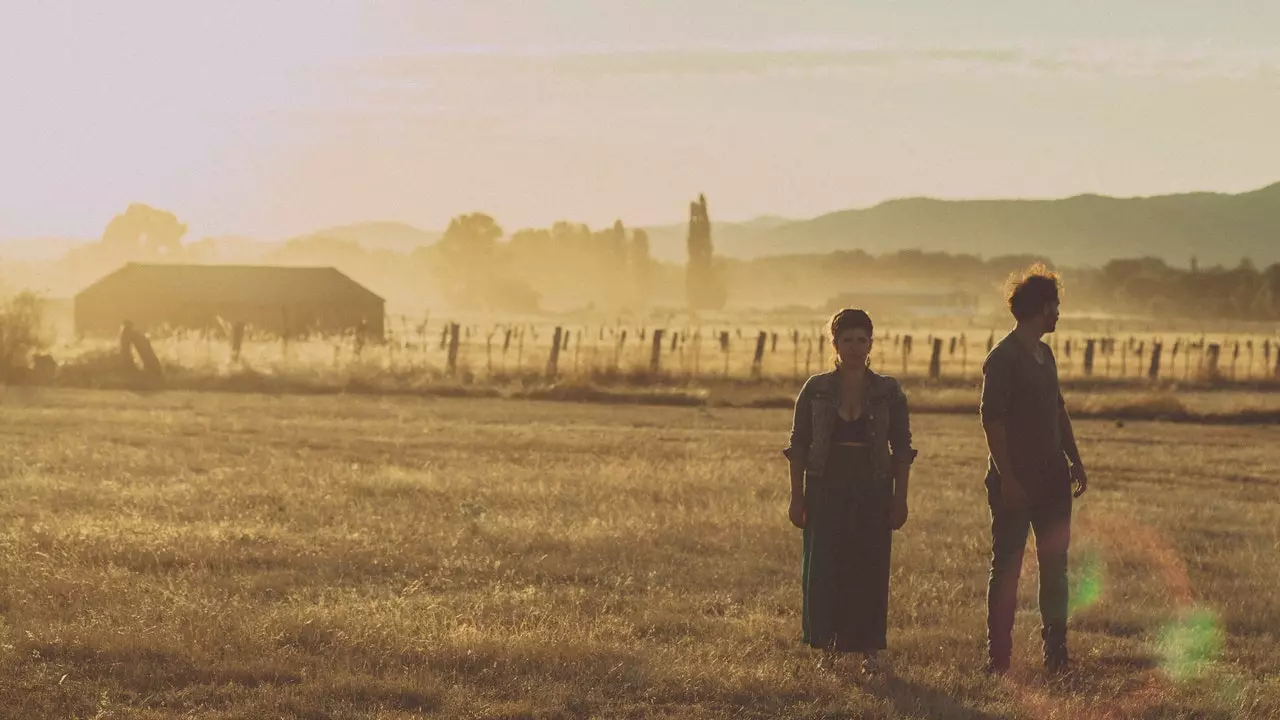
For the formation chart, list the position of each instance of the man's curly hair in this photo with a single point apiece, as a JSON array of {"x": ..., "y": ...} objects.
[{"x": 1029, "y": 291}]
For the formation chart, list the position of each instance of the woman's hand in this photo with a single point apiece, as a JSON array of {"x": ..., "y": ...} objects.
[
  {"x": 797, "y": 513},
  {"x": 898, "y": 514}
]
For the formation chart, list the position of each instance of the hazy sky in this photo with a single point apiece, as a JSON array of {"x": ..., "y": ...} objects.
[{"x": 269, "y": 119}]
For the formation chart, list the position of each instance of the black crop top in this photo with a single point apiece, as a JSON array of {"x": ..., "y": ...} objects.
[{"x": 851, "y": 431}]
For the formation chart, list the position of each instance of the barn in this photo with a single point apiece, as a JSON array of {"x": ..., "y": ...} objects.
[{"x": 276, "y": 300}]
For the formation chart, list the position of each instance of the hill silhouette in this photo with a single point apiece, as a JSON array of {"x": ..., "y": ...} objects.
[
  {"x": 393, "y": 236},
  {"x": 667, "y": 243},
  {"x": 1082, "y": 230}
]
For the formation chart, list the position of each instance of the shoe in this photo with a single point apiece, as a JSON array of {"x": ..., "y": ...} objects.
[
  {"x": 1055, "y": 648},
  {"x": 827, "y": 661},
  {"x": 996, "y": 667},
  {"x": 870, "y": 667}
]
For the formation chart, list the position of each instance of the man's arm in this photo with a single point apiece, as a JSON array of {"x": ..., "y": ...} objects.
[
  {"x": 997, "y": 385},
  {"x": 1070, "y": 449},
  {"x": 998, "y": 445},
  {"x": 1011, "y": 491},
  {"x": 1068, "y": 437}
]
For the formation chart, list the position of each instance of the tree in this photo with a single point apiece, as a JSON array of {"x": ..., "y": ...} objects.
[
  {"x": 463, "y": 260},
  {"x": 610, "y": 265},
  {"x": 641, "y": 264},
  {"x": 470, "y": 239},
  {"x": 704, "y": 289},
  {"x": 142, "y": 232},
  {"x": 21, "y": 330}
]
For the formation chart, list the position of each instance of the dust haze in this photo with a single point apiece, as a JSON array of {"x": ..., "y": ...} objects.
[{"x": 408, "y": 359}]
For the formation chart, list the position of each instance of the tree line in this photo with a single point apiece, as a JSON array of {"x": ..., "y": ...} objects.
[{"x": 478, "y": 266}]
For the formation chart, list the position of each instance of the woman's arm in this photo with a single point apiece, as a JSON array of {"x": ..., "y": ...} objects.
[
  {"x": 797, "y": 453},
  {"x": 797, "y": 450},
  {"x": 902, "y": 455}
]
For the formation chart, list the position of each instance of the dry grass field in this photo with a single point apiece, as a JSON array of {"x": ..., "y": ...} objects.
[{"x": 209, "y": 555}]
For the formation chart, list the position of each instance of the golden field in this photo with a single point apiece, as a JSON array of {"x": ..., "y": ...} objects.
[{"x": 210, "y": 555}]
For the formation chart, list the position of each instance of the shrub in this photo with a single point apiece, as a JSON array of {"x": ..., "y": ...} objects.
[{"x": 21, "y": 331}]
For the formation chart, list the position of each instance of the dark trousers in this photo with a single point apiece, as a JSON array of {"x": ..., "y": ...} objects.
[{"x": 1050, "y": 518}]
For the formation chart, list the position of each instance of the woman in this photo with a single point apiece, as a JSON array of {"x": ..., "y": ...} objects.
[{"x": 850, "y": 456}]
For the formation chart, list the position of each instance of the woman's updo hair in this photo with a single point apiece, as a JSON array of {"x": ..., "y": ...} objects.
[{"x": 850, "y": 319}]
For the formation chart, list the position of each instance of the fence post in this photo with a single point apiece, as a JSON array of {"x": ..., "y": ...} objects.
[
  {"x": 655, "y": 358},
  {"x": 757, "y": 362},
  {"x": 1089, "y": 346},
  {"x": 422, "y": 336},
  {"x": 553, "y": 361},
  {"x": 724, "y": 349},
  {"x": 795, "y": 354},
  {"x": 1214, "y": 351},
  {"x": 1153, "y": 374},
  {"x": 697, "y": 352},
  {"x": 577, "y": 347},
  {"x": 906, "y": 353},
  {"x": 935, "y": 360},
  {"x": 451, "y": 365},
  {"x": 237, "y": 340},
  {"x": 284, "y": 332}
]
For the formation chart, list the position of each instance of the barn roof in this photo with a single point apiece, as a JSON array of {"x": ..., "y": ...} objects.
[{"x": 234, "y": 283}]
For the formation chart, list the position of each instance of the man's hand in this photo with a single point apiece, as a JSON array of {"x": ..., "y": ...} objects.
[
  {"x": 797, "y": 513},
  {"x": 1079, "y": 479},
  {"x": 898, "y": 514},
  {"x": 1012, "y": 494}
]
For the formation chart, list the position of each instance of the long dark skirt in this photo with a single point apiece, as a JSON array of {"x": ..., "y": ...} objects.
[{"x": 847, "y": 544}]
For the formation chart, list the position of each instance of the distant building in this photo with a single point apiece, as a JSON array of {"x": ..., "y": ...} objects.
[
  {"x": 275, "y": 300},
  {"x": 915, "y": 302}
]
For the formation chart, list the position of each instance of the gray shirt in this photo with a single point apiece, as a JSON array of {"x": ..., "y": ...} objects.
[{"x": 1023, "y": 394}]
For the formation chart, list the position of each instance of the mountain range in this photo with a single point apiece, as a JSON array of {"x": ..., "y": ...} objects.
[
  {"x": 1215, "y": 228},
  {"x": 1082, "y": 230}
]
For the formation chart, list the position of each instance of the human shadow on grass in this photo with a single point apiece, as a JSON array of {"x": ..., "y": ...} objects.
[{"x": 916, "y": 699}]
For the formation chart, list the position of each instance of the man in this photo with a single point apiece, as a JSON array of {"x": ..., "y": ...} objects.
[{"x": 1032, "y": 467}]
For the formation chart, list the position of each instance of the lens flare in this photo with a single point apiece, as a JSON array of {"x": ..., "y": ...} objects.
[
  {"x": 1086, "y": 583},
  {"x": 1189, "y": 645}
]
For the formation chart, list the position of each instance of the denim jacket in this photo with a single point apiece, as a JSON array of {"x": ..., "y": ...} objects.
[{"x": 817, "y": 407}]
